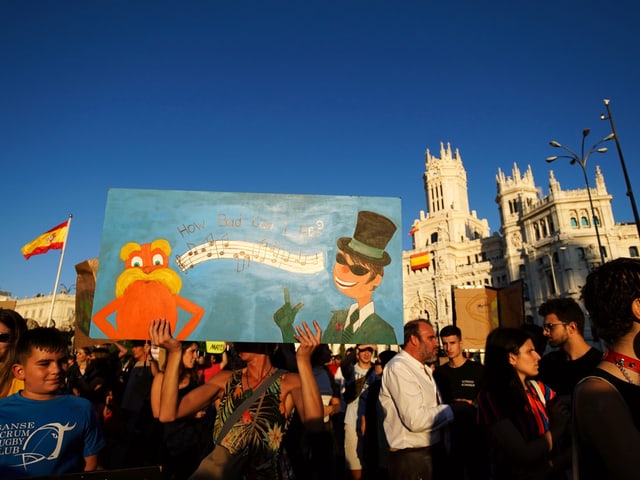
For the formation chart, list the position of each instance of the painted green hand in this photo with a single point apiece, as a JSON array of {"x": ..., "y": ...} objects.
[{"x": 285, "y": 316}]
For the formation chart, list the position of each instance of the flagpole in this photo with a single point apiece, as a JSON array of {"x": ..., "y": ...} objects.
[{"x": 55, "y": 287}]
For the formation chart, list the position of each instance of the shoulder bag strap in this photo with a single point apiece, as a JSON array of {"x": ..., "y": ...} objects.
[{"x": 239, "y": 410}]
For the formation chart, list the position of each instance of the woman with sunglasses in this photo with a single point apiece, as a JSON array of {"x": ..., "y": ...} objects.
[
  {"x": 12, "y": 326},
  {"x": 520, "y": 418}
]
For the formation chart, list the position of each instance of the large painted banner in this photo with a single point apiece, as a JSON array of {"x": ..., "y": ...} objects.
[{"x": 249, "y": 267}]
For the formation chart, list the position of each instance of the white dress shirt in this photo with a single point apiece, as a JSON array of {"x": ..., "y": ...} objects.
[{"x": 413, "y": 414}]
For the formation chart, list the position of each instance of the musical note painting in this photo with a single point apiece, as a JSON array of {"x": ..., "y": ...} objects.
[{"x": 249, "y": 267}]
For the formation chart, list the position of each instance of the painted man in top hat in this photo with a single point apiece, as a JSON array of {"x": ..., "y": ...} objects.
[{"x": 357, "y": 273}]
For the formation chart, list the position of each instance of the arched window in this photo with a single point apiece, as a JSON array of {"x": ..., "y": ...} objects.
[
  {"x": 434, "y": 237},
  {"x": 574, "y": 222},
  {"x": 584, "y": 221},
  {"x": 536, "y": 231}
]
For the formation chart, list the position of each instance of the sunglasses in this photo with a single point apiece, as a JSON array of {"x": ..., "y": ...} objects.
[
  {"x": 356, "y": 269},
  {"x": 366, "y": 349},
  {"x": 549, "y": 326},
  {"x": 5, "y": 337}
]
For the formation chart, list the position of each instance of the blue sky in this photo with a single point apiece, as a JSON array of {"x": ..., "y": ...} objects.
[{"x": 339, "y": 98}]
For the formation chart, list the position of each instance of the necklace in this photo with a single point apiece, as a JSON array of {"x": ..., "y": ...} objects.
[
  {"x": 246, "y": 374},
  {"x": 623, "y": 362}
]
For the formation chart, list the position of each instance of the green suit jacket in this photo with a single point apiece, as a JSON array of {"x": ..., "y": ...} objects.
[{"x": 373, "y": 330}]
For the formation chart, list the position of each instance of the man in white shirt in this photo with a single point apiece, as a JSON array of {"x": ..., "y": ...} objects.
[{"x": 414, "y": 415}]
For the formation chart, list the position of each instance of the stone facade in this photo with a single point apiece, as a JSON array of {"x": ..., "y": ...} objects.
[{"x": 36, "y": 309}]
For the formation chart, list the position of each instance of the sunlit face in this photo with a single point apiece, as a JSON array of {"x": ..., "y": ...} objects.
[
  {"x": 4, "y": 345},
  {"x": 81, "y": 356},
  {"x": 364, "y": 354},
  {"x": 190, "y": 355},
  {"x": 42, "y": 373},
  {"x": 428, "y": 343},
  {"x": 452, "y": 346},
  {"x": 352, "y": 279},
  {"x": 555, "y": 330},
  {"x": 526, "y": 361}
]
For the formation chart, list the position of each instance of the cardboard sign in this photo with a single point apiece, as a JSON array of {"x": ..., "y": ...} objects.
[{"x": 249, "y": 267}]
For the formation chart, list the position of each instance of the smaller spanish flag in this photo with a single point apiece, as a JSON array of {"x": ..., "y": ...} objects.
[
  {"x": 51, "y": 240},
  {"x": 420, "y": 260}
]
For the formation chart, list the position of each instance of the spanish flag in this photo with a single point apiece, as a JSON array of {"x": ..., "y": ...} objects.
[
  {"x": 420, "y": 260},
  {"x": 51, "y": 240}
]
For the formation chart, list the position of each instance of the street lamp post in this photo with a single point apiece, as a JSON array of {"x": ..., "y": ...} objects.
[
  {"x": 582, "y": 161},
  {"x": 609, "y": 117}
]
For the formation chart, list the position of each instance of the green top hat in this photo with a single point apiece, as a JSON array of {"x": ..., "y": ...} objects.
[{"x": 373, "y": 233}]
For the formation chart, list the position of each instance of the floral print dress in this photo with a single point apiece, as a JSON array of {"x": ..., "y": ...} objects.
[{"x": 260, "y": 429}]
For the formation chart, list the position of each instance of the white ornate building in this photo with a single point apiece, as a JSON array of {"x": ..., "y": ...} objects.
[
  {"x": 36, "y": 309},
  {"x": 547, "y": 241}
]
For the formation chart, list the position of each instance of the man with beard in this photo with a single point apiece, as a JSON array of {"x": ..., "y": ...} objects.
[
  {"x": 414, "y": 415},
  {"x": 147, "y": 289},
  {"x": 574, "y": 358}
]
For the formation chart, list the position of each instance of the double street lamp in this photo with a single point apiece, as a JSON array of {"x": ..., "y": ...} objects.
[
  {"x": 624, "y": 167},
  {"x": 582, "y": 161}
]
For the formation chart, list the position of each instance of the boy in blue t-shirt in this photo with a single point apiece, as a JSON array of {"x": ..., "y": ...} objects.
[{"x": 44, "y": 432}]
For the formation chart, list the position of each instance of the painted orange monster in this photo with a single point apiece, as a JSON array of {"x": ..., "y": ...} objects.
[{"x": 147, "y": 289}]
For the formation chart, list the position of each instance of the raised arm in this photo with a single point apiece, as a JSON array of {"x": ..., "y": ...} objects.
[
  {"x": 168, "y": 408},
  {"x": 308, "y": 402}
]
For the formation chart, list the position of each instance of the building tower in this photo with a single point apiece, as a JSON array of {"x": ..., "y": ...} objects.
[
  {"x": 452, "y": 247},
  {"x": 516, "y": 194}
]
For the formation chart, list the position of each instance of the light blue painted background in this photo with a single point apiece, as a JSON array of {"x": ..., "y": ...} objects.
[{"x": 239, "y": 305}]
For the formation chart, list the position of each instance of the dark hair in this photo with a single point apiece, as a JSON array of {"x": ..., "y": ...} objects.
[
  {"x": 413, "y": 328},
  {"x": 321, "y": 355},
  {"x": 608, "y": 295},
  {"x": 385, "y": 356},
  {"x": 14, "y": 322},
  {"x": 49, "y": 339},
  {"x": 537, "y": 335},
  {"x": 183, "y": 371},
  {"x": 566, "y": 309},
  {"x": 450, "y": 331},
  {"x": 500, "y": 378}
]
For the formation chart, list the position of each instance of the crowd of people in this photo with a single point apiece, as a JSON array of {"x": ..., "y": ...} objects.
[{"x": 542, "y": 405}]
